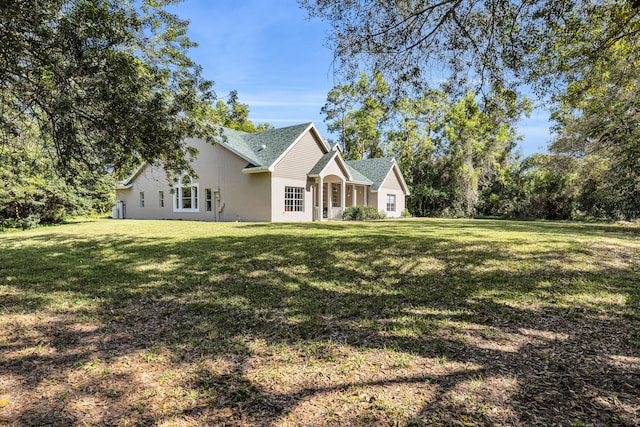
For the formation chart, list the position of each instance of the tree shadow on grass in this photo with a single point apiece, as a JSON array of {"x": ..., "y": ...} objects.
[{"x": 202, "y": 306}]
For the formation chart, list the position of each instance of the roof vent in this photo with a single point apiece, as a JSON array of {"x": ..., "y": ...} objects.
[{"x": 262, "y": 147}]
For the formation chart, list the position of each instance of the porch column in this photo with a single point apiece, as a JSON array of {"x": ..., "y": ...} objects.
[
  {"x": 343, "y": 192},
  {"x": 320, "y": 197},
  {"x": 329, "y": 199},
  {"x": 354, "y": 195}
]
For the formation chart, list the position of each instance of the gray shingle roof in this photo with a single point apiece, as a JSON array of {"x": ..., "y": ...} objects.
[
  {"x": 263, "y": 148},
  {"x": 357, "y": 176},
  {"x": 324, "y": 161},
  {"x": 375, "y": 170}
]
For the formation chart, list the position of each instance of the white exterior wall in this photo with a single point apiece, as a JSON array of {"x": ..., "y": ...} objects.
[
  {"x": 278, "y": 214},
  {"x": 391, "y": 185},
  {"x": 291, "y": 171},
  {"x": 243, "y": 197}
]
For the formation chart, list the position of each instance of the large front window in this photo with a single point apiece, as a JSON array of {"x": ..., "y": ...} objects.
[
  {"x": 293, "y": 199},
  {"x": 186, "y": 195}
]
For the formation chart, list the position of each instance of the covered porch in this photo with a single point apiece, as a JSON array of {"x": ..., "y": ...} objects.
[
  {"x": 334, "y": 188},
  {"x": 333, "y": 193}
]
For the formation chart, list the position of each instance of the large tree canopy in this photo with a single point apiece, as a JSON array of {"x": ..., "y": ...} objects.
[
  {"x": 598, "y": 122},
  {"x": 107, "y": 83},
  {"x": 491, "y": 42}
]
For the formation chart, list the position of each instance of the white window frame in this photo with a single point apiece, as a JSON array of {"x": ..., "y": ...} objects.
[
  {"x": 178, "y": 198},
  {"x": 336, "y": 195},
  {"x": 208, "y": 200},
  {"x": 293, "y": 199},
  {"x": 391, "y": 202}
]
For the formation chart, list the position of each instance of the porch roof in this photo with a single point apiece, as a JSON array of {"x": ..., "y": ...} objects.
[
  {"x": 357, "y": 177},
  {"x": 376, "y": 170},
  {"x": 326, "y": 160}
]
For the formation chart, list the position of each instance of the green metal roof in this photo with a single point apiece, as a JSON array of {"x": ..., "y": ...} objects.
[
  {"x": 375, "y": 170},
  {"x": 262, "y": 149}
]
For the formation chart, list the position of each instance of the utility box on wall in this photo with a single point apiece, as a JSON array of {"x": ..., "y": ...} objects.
[{"x": 119, "y": 210}]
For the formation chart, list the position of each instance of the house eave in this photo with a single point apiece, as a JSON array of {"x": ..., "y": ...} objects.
[
  {"x": 256, "y": 170},
  {"x": 234, "y": 151}
]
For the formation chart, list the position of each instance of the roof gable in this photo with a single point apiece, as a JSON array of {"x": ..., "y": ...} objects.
[
  {"x": 377, "y": 171},
  {"x": 326, "y": 160},
  {"x": 261, "y": 150},
  {"x": 264, "y": 149},
  {"x": 301, "y": 131}
]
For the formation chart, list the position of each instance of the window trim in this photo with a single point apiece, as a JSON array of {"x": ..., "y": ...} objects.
[
  {"x": 390, "y": 203},
  {"x": 141, "y": 199},
  {"x": 179, "y": 195},
  {"x": 293, "y": 199},
  {"x": 336, "y": 195},
  {"x": 161, "y": 199},
  {"x": 208, "y": 200}
]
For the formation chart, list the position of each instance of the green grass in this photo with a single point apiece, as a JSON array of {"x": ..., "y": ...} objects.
[{"x": 419, "y": 322}]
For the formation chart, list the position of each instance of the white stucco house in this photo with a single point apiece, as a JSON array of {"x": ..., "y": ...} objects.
[{"x": 286, "y": 174}]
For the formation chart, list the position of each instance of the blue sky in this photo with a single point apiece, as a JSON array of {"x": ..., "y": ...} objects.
[{"x": 275, "y": 58}]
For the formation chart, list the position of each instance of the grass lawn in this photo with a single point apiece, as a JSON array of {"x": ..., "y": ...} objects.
[{"x": 419, "y": 322}]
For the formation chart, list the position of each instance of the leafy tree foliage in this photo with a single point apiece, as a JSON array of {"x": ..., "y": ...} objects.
[
  {"x": 598, "y": 123},
  {"x": 542, "y": 186},
  {"x": 358, "y": 112},
  {"x": 234, "y": 115},
  {"x": 495, "y": 42},
  {"x": 107, "y": 83},
  {"x": 448, "y": 147},
  {"x": 33, "y": 192},
  {"x": 581, "y": 55}
]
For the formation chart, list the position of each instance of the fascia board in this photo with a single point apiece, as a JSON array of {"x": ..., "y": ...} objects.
[
  {"x": 134, "y": 175},
  {"x": 255, "y": 170}
]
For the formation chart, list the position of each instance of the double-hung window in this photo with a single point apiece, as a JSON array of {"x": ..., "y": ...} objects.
[
  {"x": 142, "y": 199},
  {"x": 391, "y": 202},
  {"x": 294, "y": 199},
  {"x": 186, "y": 195},
  {"x": 208, "y": 200},
  {"x": 336, "y": 195}
]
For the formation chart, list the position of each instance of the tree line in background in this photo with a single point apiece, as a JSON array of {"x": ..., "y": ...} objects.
[
  {"x": 91, "y": 88},
  {"x": 456, "y": 143},
  {"x": 457, "y": 151}
]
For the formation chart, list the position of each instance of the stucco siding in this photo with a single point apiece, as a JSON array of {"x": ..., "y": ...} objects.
[
  {"x": 278, "y": 211},
  {"x": 300, "y": 159},
  {"x": 372, "y": 199},
  {"x": 391, "y": 185},
  {"x": 234, "y": 195}
]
